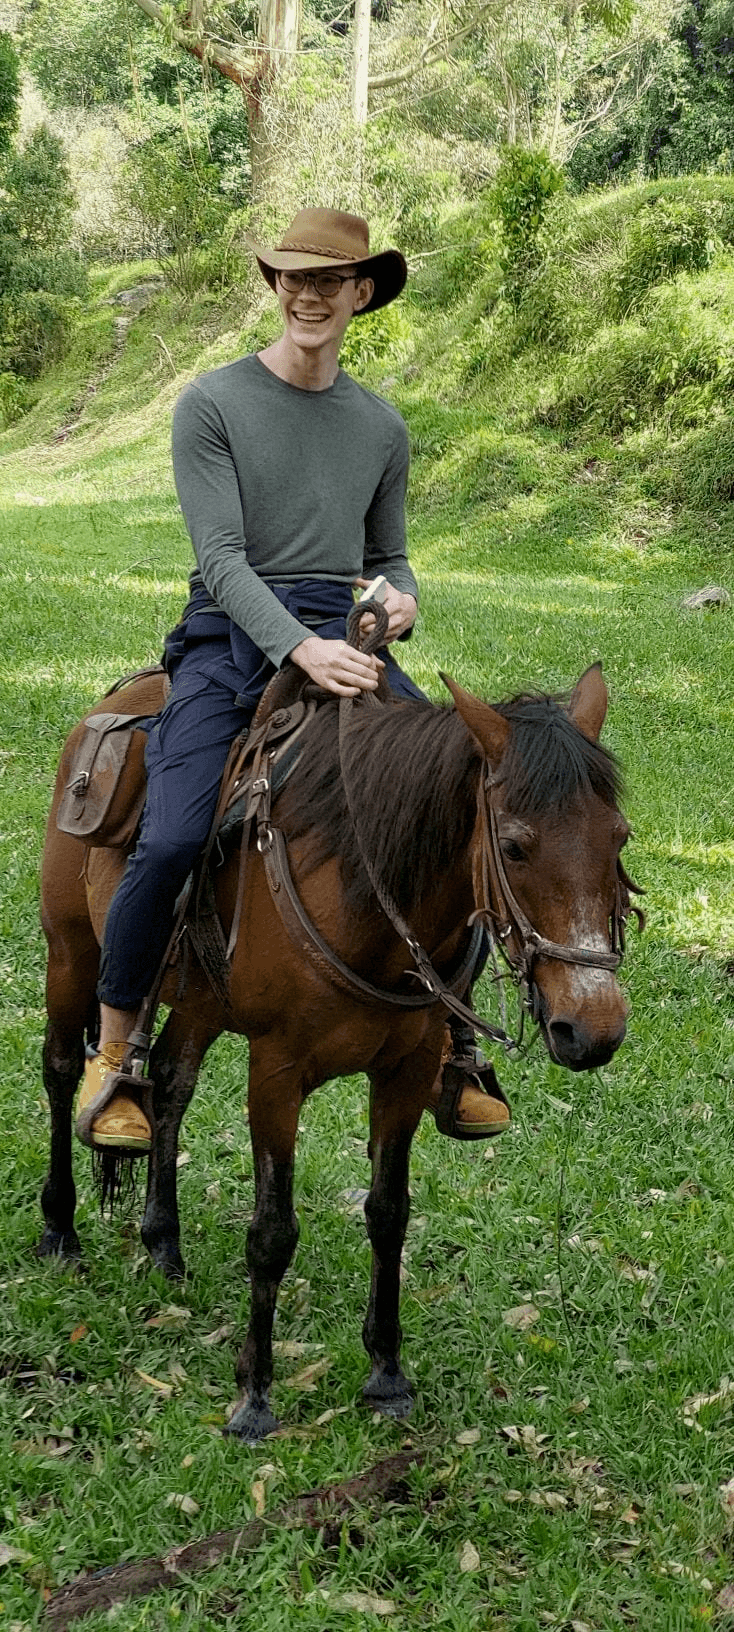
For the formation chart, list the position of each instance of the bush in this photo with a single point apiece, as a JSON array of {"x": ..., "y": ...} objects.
[
  {"x": 667, "y": 237},
  {"x": 13, "y": 399},
  {"x": 374, "y": 338},
  {"x": 9, "y": 92},
  {"x": 36, "y": 327},
  {"x": 628, "y": 373},
  {"x": 525, "y": 184},
  {"x": 173, "y": 188},
  {"x": 39, "y": 203}
]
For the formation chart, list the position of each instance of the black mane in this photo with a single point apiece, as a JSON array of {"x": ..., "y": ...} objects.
[{"x": 413, "y": 768}]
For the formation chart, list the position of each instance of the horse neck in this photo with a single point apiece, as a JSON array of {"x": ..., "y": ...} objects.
[{"x": 421, "y": 843}]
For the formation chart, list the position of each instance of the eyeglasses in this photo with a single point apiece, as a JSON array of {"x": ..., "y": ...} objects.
[{"x": 327, "y": 284}]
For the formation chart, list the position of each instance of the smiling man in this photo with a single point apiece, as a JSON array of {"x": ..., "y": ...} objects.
[{"x": 292, "y": 483}]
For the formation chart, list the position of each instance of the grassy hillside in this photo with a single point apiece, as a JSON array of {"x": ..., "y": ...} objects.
[{"x": 572, "y": 483}]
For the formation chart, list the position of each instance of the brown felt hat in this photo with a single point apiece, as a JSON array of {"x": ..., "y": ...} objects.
[{"x": 329, "y": 238}]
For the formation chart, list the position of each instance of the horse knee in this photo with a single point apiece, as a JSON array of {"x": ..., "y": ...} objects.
[
  {"x": 271, "y": 1243},
  {"x": 387, "y": 1216}
]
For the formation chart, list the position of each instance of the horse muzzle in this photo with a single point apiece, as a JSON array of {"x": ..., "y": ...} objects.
[{"x": 580, "y": 1042}]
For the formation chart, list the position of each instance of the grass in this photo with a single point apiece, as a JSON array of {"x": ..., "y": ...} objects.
[{"x": 609, "y": 1205}]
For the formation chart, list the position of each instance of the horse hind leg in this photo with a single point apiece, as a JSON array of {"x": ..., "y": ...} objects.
[{"x": 174, "y": 1068}]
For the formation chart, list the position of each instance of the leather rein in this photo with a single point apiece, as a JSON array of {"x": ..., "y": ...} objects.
[{"x": 507, "y": 925}]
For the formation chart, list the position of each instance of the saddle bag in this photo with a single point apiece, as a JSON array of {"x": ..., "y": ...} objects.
[{"x": 104, "y": 796}]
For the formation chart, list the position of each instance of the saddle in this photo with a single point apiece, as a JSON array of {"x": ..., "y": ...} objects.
[{"x": 103, "y": 801}]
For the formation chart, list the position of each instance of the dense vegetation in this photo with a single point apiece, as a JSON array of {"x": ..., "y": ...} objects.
[{"x": 564, "y": 358}]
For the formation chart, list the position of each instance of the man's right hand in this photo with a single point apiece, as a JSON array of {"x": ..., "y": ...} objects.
[{"x": 336, "y": 666}]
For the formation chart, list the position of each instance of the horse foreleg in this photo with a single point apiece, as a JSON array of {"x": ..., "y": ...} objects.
[
  {"x": 274, "y": 1104},
  {"x": 174, "y": 1068},
  {"x": 397, "y": 1099}
]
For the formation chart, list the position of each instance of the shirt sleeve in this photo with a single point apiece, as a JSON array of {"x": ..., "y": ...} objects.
[
  {"x": 384, "y": 527},
  {"x": 209, "y": 493}
]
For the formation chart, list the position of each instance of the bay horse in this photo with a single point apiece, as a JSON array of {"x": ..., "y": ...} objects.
[{"x": 508, "y": 810}]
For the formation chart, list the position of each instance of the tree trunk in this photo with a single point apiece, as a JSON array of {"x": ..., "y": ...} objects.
[{"x": 361, "y": 63}]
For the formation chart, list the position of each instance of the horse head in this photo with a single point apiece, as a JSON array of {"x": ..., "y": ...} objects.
[{"x": 547, "y": 870}]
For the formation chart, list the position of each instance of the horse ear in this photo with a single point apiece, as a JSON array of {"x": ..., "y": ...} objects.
[
  {"x": 490, "y": 728},
  {"x": 588, "y": 702}
]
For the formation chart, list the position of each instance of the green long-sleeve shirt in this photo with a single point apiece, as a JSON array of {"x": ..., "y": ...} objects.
[{"x": 288, "y": 484}]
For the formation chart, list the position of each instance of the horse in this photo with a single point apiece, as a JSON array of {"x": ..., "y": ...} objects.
[{"x": 510, "y": 811}]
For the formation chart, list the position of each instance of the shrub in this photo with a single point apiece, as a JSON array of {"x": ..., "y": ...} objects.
[
  {"x": 667, "y": 237},
  {"x": 374, "y": 338},
  {"x": 39, "y": 198},
  {"x": 35, "y": 326},
  {"x": 9, "y": 92},
  {"x": 13, "y": 399},
  {"x": 173, "y": 189},
  {"x": 525, "y": 184}
]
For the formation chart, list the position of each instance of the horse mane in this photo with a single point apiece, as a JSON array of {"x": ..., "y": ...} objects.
[{"x": 413, "y": 769}]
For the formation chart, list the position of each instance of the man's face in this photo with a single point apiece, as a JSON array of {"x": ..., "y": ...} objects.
[{"x": 313, "y": 320}]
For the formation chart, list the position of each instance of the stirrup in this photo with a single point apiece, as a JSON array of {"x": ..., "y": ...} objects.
[{"x": 457, "y": 1074}]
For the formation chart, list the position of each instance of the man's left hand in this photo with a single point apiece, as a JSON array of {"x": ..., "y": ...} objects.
[{"x": 401, "y": 609}]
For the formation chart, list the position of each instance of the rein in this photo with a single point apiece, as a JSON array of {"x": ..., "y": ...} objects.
[{"x": 507, "y": 922}]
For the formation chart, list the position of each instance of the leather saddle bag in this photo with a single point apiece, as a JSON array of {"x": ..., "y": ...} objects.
[{"x": 104, "y": 797}]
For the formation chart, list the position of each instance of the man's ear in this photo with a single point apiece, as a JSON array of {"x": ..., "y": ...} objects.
[{"x": 364, "y": 289}]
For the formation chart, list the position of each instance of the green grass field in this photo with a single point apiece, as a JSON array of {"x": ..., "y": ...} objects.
[{"x": 569, "y": 1481}]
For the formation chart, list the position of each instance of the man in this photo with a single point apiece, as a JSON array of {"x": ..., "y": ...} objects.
[{"x": 292, "y": 484}]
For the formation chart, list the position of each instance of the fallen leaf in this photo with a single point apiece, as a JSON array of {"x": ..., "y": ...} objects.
[
  {"x": 469, "y": 1436},
  {"x": 630, "y": 1515},
  {"x": 174, "y": 1315},
  {"x": 258, "y": 1497},
  {"x": 725, "y": 1598},
  {"x": 219, "y": 1335},
  {"x": 306, "y": 1380},
  {"x": 513, "y": 1495},
  {"x": 521, "y": 1317},
  {"x": 553, "y": 1499},
  {"x": 527, "y": 1437},
  {"x": 327, "y": 1416},
  {"x": 364, "y": 1602},
  {"x": 293, "y": 1350},
  {"x": 13, "y": 1555},
  {"x": 577, "y": 1406},
  {"x": 184, "y": 1503},
  {"x": 470, "y": 1559},
  {"x": 187, "y": 1461},
  {"x": 726, "y": 1493},
  {"x": 78, "y": 1333},
  {"x": 154, "y": 1382},
  {"x": 691, "y": 1407},
  {"x": 183, "y": 1158}
]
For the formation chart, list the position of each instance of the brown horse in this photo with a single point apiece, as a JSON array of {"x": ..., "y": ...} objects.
[{"x": 511, "y": 810}]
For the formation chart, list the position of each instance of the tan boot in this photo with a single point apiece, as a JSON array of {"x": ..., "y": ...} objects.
[
  {"x": 467, "y": 1100},
  {"x": 119, "y": 1123}
]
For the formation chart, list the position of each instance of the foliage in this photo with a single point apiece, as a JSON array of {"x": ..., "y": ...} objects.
[
  {"x": 376, "y": 337},
  {"x": 525, "y": 184},
  {"x": 667, "y": 237},
  {"x": 173, "y": 189},
  {"x": 9, "y": 92},
  {"x": 38, "y": 201},
  {"x": 13, "y": 398}
]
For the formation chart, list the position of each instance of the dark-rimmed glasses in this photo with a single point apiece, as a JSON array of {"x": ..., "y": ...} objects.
[{"x": 326, "y": 284}]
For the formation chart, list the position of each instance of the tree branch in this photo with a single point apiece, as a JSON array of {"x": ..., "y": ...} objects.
[
  {"x": 243, "y": 71},
  {"x": 433, "y": 51}
]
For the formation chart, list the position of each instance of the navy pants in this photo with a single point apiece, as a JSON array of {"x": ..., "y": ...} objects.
[{"x": 210, "y": 702}]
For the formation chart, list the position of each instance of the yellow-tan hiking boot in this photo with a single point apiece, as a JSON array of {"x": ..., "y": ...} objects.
[
  {"x": 108, "y": 1119},
  {"x": 467, "y": 1100}
]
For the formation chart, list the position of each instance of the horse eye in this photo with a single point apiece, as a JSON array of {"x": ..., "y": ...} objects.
[{"x": 513, "y": 851}]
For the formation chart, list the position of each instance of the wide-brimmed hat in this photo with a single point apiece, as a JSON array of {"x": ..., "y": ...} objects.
[{"x": 330, "y": 238}]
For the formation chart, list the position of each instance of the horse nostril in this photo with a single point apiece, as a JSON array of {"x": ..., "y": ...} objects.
[
  {"x": 563, "y": 1038},
  {"x": 580, "y": 1049}
]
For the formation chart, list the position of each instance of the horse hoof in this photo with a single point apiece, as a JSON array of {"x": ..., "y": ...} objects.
[
  {"x": 251, "y": 1423},
  {"x": 390, "y": 1394},
  {"x": 169, "y": 1264},
  {"x": 62, "y": 1244}
]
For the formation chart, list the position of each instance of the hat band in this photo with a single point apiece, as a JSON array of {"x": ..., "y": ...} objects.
[{"x": 322, "y": 249}]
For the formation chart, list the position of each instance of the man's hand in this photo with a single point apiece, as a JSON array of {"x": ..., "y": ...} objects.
[
  {"x": 336, "y": 666},
  {"x": 402, "y": 610}
]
